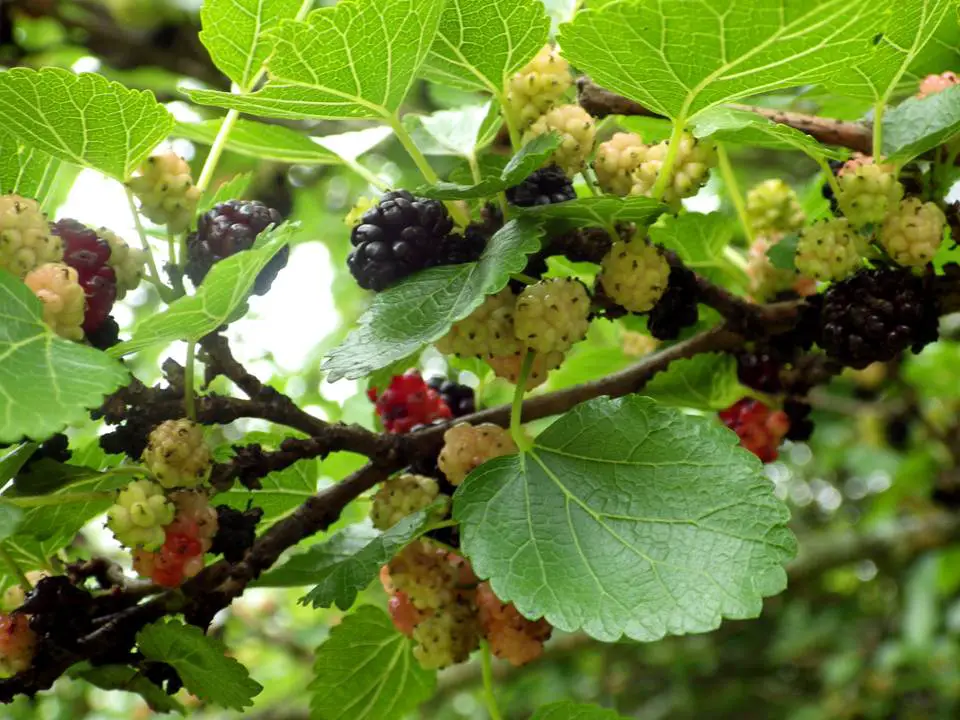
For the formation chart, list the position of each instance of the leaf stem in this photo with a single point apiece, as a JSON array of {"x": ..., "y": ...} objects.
[
  {"x": 733, "y": 190},
  {"x": 516, "y": 411},
  {"x": 831, "y": 178},
  {"x": 165, "y": 293},
  {"x": 429, "y": 174},
  {"x": 516, "y": 142},
  {"x": 216, "y": 150},
  {"x": 488, "y": 696},
  {"x": 189, "y": 404},
  {"x": 878, "y": 110},
  {"x": 666, "y": 170},
  {"x": 366, "y": 175},
  {"x": 14, "y": 566}
]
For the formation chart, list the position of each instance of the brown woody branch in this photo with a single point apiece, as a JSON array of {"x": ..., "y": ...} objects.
[{"x": 853, "y": 135}]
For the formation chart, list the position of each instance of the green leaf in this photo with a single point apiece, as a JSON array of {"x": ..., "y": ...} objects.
[
  {"x": 281, "y": 492},
  {"x": 123, "y": 677},
  {"x": 261, "y": 141},
  {"x": 422, "y": 308},
  {"x": 46, "y": 382},
  {"x": 366, "y": 671},
  {"x": 303, "y": 568},
  {"x": 682, "y": 57},
  {"x": 233, "y": 33},
  {"x": 916, "y": 125},
  {"x": 235, "y": 187},
  {"x": 941, "y": 51},
  {"x": 628, "y": 518},
  {"x": 26, "y": 171},
  {"x": 357, "y": 59},
  {"x": 597, "y": 211},
  {"x": 532, "y": 156},
  {"x": 10, "y": 518},
  {"x": 742, "y": 127},
  {"x": 705, "y": 382},
  {"x": 698, "y": 240},
  {"x": 201, "y": 663},
  {"x": 453, "y": 132},
  {"x": 783, "y": 253},
  {"x": 216, "y": 301},
  {"x": 338, "y": 582},
  {"x": 13, "y": 458},
  {"x": 481, "y": 43},
  {"x": 567, "y": 710},
  {"x": 908, "y": 26},
  {"x": 84, "y": 119}
]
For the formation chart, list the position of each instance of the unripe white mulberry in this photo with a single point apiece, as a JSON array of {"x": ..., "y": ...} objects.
[
  {"x": 26, "y": 242},
  {"x": 912, "y": 233},
  {"x": 552, "y": 315},
  {"x": 616, "y": 160},
  {"x": 488, "y": 330},
  {"x": 138, "y": 516},
  {"x": 466, "y": 447},
  {"x": 577, "y": 131},
  {"x": 634, "y": 275},
  {"x": 508, "y": 367},
  {"x": 773, "y": 207},
  {"x": 691, "y": 169},
  {"x": 58, "y": 287},
  {"x": 177, "y": 454},
  {"x": 538, "y": 86},
  {"x": 828, "y": 250},
  {"x": 936, "y": 83},
  {"x": 127, "y": 262},
  {"x": 166, "y": 191},
  {"x": 867, "y": 190},
  {"x": 400, "y": 496}
]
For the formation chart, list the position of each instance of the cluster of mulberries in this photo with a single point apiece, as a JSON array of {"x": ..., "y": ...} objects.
[
  {"x": 166, "y": 191},
  {"x": 759, "y": 428},
  {"x": 408, "y": 402},
  {"x": 76, "y": 272}
]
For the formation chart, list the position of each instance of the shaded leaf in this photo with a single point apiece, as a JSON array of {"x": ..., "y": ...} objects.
[
  {"x": 567, "y": 710},
  {"x": 303, "y": 568},
  {"x": 705, "y": 382},
  {"x": 123, "y": 677},
  {"x": 916, "y": 126}
]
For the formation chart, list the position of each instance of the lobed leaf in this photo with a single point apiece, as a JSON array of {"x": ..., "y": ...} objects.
[
  {"x": 682, "y": 57},
  {"x": 83, "y": 119},
  {"x": 357, "y": 59},
  {"x": 628, "y": 518}
]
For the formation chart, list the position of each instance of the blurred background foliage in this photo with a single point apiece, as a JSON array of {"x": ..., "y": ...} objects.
[{"x": 870, "y": 626}]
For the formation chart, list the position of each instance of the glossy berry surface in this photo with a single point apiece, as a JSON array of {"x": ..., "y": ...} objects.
[
  {"x": 760, "y": 370},
  {"x": 459, "y": 398},
  {"x": 408, "y": 401},
  {"x": 545, "y": 186},
  {"x": 759, "y": 428},
  {"x": 89, "y": 255},
  {"x": 677, "y": 307}
]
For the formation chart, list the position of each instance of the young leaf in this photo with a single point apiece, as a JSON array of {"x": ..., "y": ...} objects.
[
  {"x": 46, "y": 382},
  {"x": 281, "y": 492},
  {"x": 566, "y": 710},
  {"x": 705, "y": 382},
  {"x": 453, "y": 132},
  {"x": 233, "y": 188},
  {"x": 261, "y": 141},
  {"x": 303, "y": 569},
  {"x": 907, "y": 29},
  {"x": 366, "y": 671},
  {"x": 743, "y": 127},
  {"x": 84, "y": 119},
  {"x": 698, "y": 240},
  {"x": 422, "y": 308},
  {"x": 915, "y": 125},
  {"x": 123, "y": 677},
  {"x": 628, "y": 518},
  {"x": 200, "y": 662},
  {"x": 26, "y": 171},
  {"x": 13, "y": 458},
  {"x": 643, "y": 50},
  {"x": 533, "y": 155},
  {"x": 216, "y": 302},
  {"x": 339, "y": 582},
  {"x": 357, "y": 59},
  {"x": 597, "y": 211},
  {"x": 481, "y": 43},
  {"x": 233, "y": 33},
  {"x": 782, "y": 255}
]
